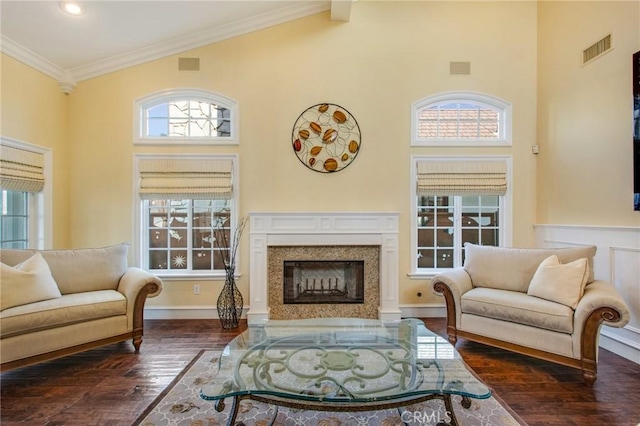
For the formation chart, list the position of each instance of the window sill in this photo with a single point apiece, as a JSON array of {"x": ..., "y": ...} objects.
[
  {"x": 461, "y": 143},
  {"x": 185, "y": 141},
  {"x": 193, "y": 277}
]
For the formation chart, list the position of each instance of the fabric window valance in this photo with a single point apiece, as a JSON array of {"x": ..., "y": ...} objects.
[
  {"x": 21, "y": 170},
  {"x": 461, "y": 178},
  {"x": 195, "y": 179}
]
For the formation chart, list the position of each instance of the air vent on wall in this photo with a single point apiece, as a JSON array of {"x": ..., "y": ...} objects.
[
  {"x": 189, "y": 64},
  {"x": 597, "y": 49},
  {"x": 460, "y": 68}
]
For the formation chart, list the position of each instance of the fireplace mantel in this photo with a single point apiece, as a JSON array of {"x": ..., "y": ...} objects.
[{"x": 323, "y": 229}]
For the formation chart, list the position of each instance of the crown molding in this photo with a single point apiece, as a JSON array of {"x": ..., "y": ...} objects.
[
  {"x": 28, "y": 57},
  {"x": 67, "y": 78},
  {"x": 196, "y": 40}
]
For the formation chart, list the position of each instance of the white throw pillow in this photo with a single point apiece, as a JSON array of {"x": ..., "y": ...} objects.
[
  {"x": 560, "y": 283},
  {"x": 27, "y": 282}
]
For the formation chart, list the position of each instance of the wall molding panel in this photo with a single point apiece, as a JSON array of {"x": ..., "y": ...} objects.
[{"x": 617, "y": 261}]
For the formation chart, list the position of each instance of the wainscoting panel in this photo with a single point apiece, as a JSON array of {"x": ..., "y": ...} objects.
[{"x": 617, "y": 261}]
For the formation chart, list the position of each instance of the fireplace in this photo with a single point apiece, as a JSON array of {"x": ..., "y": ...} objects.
[
  {"x": 310, "y": 282},
  {"x": 368, "y": 256},
  {"x": 370, "y": 239}
]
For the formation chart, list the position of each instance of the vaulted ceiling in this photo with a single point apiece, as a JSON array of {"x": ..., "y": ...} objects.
[{"x": 112, "y": 35}]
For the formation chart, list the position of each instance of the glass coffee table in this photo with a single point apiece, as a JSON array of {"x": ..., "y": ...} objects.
[{"x": 342, "y": 364}]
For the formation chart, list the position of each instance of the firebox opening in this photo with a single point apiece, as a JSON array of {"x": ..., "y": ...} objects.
[{"x": 323, "y": 281}]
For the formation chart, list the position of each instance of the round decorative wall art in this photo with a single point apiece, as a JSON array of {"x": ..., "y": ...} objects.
[{"x": 326, "y": 138}]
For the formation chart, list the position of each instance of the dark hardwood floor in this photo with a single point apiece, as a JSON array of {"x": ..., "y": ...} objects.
[{"x": 112, "y": 385}]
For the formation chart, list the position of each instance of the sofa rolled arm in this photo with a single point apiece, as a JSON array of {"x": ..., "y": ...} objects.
[
  {"x": 457, "y": 279},
  {"x": 136, "y": 285},
  {"x": 452, "y": 285},
  {"x": 134, "y": 279},
  {"x": 598, "y": 295}
]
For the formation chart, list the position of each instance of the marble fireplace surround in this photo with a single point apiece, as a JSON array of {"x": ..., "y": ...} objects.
[{"x": 323, "y": 229}]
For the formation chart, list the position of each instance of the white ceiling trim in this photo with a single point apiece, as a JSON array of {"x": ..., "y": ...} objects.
[
  {"x": 68, "y": 78},
  {"x": 193, "y": 41},
  {"x": 16, "y": 51}
]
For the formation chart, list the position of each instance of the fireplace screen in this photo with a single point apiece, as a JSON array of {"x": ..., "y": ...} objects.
[{"x": 323, "y": 281}]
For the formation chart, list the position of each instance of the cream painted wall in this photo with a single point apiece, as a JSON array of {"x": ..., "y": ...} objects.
[
  {"x": 585, "y": 165},
  {"x": 389, "y": 55},
  {"x": 33, "y": 109}
]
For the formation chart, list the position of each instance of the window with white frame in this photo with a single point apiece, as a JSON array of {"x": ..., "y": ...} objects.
[
  {"x": 23, "y": 175},
  {"x": 14, "y": 222},
  {"x": 458, "y": 201},
  {"x": 461, "y": 119},
  {"x": 186, "y": 116},
  {"x": 187, "y": 213}
]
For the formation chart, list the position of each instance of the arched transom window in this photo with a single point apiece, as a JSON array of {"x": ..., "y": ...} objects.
[
  {"x": 186, "y": 116},
  {"x": 461, "y": 119}
]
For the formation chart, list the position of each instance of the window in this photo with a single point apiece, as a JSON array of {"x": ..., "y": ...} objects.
[
  {"x": 14, "y": 223},
  {"x": 461, "y": 119},
  {"x": 187, "y": 213},
  {"x": 458, "y": 200},
  {"x": 25, "y": 205},
  {"x": 186, "y": 116},
  {"x": 187, "y": 235}
]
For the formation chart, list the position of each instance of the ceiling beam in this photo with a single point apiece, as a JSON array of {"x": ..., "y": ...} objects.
[{"x": 341, "y": 10}]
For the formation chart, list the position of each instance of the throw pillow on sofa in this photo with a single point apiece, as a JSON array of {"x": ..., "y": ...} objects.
[
  {"x": 561, "y": 283},
  {"x": 27, "y": 282}
]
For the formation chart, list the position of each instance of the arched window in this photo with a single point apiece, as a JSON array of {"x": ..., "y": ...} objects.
[
  {"x": 460, "y": 119},
  {"x": 186, "y": 116}
]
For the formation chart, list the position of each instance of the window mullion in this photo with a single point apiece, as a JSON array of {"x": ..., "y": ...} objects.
[
  {"x": 457, "y": 231},
  {"x": 190, "y": 236}
]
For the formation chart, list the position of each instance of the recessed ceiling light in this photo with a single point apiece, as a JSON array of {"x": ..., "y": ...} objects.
[{"x": 72, "y": 8}]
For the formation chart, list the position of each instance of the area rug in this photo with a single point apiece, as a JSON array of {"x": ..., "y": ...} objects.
[{"x": 180, "y": 404}]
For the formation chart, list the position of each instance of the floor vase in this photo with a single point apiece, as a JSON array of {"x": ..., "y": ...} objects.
[{"x": 230, "y": 303}]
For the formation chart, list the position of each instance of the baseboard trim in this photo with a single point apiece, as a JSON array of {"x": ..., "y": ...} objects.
[
  {"x": 182, "y": 312},
  {"x": 432, "y": 310},
  {"x": 620, "y": 347},
  {"x": 209, "y": 311}
]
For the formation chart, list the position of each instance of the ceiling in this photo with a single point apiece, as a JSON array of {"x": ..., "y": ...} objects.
[{"x": 114, "y": 34}]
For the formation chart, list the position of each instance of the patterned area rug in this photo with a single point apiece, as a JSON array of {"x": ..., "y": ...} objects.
[{"x": 180, "y": 404}]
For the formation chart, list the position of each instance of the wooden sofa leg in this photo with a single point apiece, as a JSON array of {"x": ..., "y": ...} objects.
[
  {"x": 137, "y": 341},
  {"x": 589, "y": 377},
  {"x": 452, "y": 331},
  {"x": 453, "y": 337}
]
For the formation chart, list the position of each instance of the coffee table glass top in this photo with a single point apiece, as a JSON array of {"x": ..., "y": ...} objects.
[{"x": 342, "y": 360}]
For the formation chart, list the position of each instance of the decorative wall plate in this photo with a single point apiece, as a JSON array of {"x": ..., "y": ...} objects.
[{"x": 326, "y": 138}]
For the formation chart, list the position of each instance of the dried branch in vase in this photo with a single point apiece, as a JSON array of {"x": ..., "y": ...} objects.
[{"x": 229, "y": 249}]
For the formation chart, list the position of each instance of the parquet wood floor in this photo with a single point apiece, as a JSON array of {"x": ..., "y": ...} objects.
[{"x": 112, "y": 385}]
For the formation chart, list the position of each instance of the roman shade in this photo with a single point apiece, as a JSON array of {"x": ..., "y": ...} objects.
[
  {"x": 195, "y": 179},
  {"x": 21, "y": 170},
  {"x": 461, "y": 178}
]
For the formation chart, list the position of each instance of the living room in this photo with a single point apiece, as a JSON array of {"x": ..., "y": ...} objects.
[{"x": 576, "y": 189}]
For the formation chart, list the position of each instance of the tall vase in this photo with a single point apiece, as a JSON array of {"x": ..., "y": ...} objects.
[{"x": 230, "y": 303}]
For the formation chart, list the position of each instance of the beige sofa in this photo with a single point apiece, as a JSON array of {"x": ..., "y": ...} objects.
[
  {"x": 58, "y": 302},
  {"x": 528, "y": 301}
]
